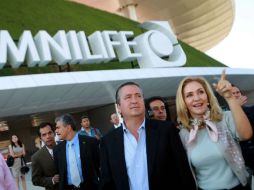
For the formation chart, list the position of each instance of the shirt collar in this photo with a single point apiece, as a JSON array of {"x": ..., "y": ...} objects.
[
  {"x": 74, "y": 140},
  {"x": 142, "y": 126},
  {"x": 82, "y": 129},
  {"x": 50, "y": 150}
]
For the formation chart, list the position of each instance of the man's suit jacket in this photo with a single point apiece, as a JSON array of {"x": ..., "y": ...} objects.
[
  {"x": 89, "y": 155},
  {"x": 43, "y": 169},
  {"x": 112, "y": 128},
  {"x": 248, "y": 146},
  {"x": 166, "y": 159}
]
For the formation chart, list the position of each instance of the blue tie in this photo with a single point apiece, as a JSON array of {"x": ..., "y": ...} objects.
[{"x": 75, "y": 177}]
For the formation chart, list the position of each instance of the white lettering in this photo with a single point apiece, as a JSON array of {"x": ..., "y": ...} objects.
[
  {"x": 124, "y": 51},
  {"x": 87, "y": 56},
  {"x": 16, "y": 55},
  {"x": 109, "y": 43},
  {"x": 158, "y": 47},
  {"x": 76, "y": 54},
  {"x": 52, "y": 49},
  {"x": 97, "y": 45}
]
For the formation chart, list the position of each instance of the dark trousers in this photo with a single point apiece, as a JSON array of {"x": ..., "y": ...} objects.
[{"x": 72, "y": 187}]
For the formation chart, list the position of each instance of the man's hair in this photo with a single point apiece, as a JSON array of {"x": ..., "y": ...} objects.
[
  {"x": 84, "y": 117},
  {"x": 114, "y": 113},
  {"x": 149, "y": 100},
  {"x": 117, "y": 98},
  {"x": 149, "y": 111},
  {"x": 236, "y": 87},
  {"x": 67, "y": 119},
  {"x": 44, "y": 124}
]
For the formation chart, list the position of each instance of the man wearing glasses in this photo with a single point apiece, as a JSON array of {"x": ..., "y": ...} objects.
[{"x": 157, "y": 109}]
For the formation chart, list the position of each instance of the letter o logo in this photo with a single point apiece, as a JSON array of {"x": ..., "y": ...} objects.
[{"x": 159, "y": 46}]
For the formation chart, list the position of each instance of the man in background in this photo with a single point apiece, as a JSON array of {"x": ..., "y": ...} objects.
[
  {"x": 76, "y": 157},
  {"x": 114, "y": 119},
  {"x": 87, "y": 129},
  {"x": 44, "y": 172},
  {"x": 246, "y": 146},
  {"x": 157, "y": 108}
]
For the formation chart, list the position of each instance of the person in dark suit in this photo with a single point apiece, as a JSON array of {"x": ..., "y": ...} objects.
[
  {"x": 142, "y": 154},
  {"x": 157, "y": 108},
  {"x": 76, "y": 157},
  {"x": 248, "y": 145},
  {"x": 114, "y": 119},
  {"x": 43, "y": 169}
]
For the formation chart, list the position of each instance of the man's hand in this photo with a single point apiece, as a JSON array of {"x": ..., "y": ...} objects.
[
  {"x": 97, "y": 137},
  {"x": 55, "y": 179},
  {"x": 242, "y": 100}
]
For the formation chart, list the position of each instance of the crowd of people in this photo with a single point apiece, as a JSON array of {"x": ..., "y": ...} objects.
[{"x": 144, "y": 150}]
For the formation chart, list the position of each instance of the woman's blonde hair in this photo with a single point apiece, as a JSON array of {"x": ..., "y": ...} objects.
[{"x": 183, "y": 115}]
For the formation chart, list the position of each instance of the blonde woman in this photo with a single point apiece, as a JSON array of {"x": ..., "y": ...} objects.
[
  {"x": 211, "y": 136},
  {"x": 17, "y": 150}
]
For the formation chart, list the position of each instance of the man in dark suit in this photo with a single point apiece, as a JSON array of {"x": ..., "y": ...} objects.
[
  {"x": 142, "y": 154},
  {"x": 43, "y": 169},
  {"x": 157, "y": 108},
  {"x": 246, "y": 146},
  {"x": 76, "y": 157},
  {"x": 114, "y": 119}
]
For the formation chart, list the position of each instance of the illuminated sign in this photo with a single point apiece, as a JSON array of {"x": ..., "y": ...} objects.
[{"x": 158, "y": 47}]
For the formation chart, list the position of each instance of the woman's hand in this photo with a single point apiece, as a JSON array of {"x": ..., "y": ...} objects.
[
  {"x": 18, "y": 155},
  {"x": 224, "y": 87},
  {"x": 243, "y": 127}
]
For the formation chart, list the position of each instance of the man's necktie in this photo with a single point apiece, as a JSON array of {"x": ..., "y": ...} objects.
[
  {"x": 52, "y": 156},
  {"x": 75, "y": 177}
]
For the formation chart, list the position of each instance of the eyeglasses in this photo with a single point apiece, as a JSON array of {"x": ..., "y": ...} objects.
[{"x": 156, "y": 108}]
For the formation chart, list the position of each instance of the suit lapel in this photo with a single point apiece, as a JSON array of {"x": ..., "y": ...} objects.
[
  {"x": 83, "y": 154},
  {"x": 47, "y": 161},
  {"x": 119, "y": 161},
  {"x": 152, "y": 137},
  {"x": 46, "y": 153},
  {"x": 63, "y": 155},
  {"x": 119, "y": 141}
]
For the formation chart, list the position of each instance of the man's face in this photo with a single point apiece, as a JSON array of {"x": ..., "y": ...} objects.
[
  {"x": 85, "y": 123},
  {"x": 159, "y": 110},
  {"x": 115, "y": 119},
  {"x": 236, "y": 92},
  {"x": 62, "y": 131},
  {"x": 47, "y": 136},
  {"x": 131, "y": 102}
]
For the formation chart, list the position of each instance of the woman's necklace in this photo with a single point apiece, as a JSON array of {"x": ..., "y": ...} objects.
[
  {"x": 200, "y": 122},
  {"x": 197, "y": 122}
]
